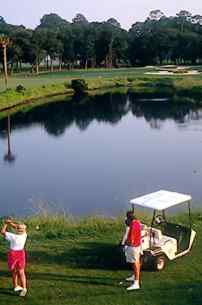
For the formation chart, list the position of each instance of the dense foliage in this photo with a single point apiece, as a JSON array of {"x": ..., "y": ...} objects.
[{"x": 82, "y": 44}]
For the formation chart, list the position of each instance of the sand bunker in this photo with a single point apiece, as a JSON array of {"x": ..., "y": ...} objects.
[{"x": 191, "y": 72}]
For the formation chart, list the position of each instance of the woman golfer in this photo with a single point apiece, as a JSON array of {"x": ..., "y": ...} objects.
[{"x": 16, "y": 254}]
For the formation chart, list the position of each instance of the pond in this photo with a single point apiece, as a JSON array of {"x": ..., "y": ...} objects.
[{"x": 91, "y": 156}]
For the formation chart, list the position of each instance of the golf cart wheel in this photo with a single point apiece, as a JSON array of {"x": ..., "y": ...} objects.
[{"x": 159, "y": 262}]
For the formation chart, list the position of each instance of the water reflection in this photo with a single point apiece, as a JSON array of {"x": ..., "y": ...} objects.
[
  {"x": 180, "y": 111},
  {"x": 115, "y": 157},
  {"x": 108, "y": 108},
  {"x": 9, "y": 156}
]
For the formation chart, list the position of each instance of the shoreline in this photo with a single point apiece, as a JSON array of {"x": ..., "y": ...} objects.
[{"x": 182, "y": 87}]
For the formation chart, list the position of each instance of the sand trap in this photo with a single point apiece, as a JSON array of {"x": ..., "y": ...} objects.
[{"x": 191, "y": 72}]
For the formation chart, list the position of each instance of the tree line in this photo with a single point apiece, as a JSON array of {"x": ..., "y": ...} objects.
[{"x": 83, "y": 44}]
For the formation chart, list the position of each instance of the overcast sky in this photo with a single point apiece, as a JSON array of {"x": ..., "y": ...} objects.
[{"x": 29, "y": 12}]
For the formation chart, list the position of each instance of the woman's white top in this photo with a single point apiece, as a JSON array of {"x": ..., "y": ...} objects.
[{"x": 17, "y": 241}]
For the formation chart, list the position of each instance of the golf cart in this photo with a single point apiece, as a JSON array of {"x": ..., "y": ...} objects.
[{"x": 164, "y": 240}]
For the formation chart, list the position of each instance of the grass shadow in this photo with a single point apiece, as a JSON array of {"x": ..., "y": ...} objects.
[
  {"x": 8, "y": 292},
  {"x": 92, "y": 280},
  {"x": 91, "y": 255}
]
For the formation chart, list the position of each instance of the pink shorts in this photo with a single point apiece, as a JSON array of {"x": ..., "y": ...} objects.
[{"x": 16, "y": 260}]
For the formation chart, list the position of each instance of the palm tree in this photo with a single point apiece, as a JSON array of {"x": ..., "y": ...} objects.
[{"x": 4, "y": 41}]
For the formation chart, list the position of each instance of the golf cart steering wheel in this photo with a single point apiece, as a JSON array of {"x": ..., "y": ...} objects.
[{"x": 159, "y": 219}]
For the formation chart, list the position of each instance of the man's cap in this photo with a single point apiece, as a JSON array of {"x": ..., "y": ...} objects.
[{"x": 130, "y": 214}]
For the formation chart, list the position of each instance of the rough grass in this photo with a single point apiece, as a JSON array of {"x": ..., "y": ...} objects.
[
  {"x": 74, "y": 261},
  {"x": 47, "y": 84},
  {"x": 30, "y": 81},
  {"x": 12, "y": 97}
]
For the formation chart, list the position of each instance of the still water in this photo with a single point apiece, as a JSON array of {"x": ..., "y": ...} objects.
[{"x": 92, "y": 156}]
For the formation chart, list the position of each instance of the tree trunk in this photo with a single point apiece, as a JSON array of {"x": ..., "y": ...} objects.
[
  {"x": 5, "y": 66},
  {"x": 37, "y": 68},
  {"x": 17, "y": 68},
  {"x": 11, "y": 68},
  {"x": 93, "y": 62},
  {"x": 20, "y": 66},
  {"x": 51, "y": 65},
  {"x": 60, "y": 64},
  {"x": 106, "y": 61},
  {"x": 47, "y": 65},
  {"x": 86, "y": 64},
  {"x": 110, "y": 55}
]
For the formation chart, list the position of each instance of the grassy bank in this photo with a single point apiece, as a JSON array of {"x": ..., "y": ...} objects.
[
  {"x": 134, "y": 79},
  {"x": 13, "y": 97},
  {"x": 77, "y": 262}
]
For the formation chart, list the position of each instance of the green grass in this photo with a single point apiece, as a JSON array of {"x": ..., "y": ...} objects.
[
  {"x": 47, "y": 84},
  {"x": 12, "y": 98},
  {"x": 77, "y": 262},
  {"x": 30, "y": 81}
]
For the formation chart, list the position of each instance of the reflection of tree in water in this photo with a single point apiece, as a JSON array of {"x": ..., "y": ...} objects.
[
  {"x": 9, "y": 156},
  {"x": 81, "y": 112},
  {"x": 56, "y": 117},
  {"x": 195, "y": 115},
  {"x": 107, "y": 108},
  {"x": 157, "y": 112}
]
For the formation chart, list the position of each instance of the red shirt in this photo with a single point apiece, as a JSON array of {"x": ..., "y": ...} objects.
[{"x": 134, "y": 234}]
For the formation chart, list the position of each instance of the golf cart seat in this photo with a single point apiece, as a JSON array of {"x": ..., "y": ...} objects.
[
  {"x": 156, "y": 240},
  {"x": 180, "y": 233},
  {"x": 151, "y": 234},
  {"x": 152, "y": 237}
]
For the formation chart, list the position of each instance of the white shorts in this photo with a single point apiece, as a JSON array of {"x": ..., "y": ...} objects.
[{"x": 132, "y": 254}]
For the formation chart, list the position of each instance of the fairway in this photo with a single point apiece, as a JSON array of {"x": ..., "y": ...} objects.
[
  {"x": 44, "y": 78},
  {"x": 81, "y": 265},
  {"x": 30, "y": 81}
]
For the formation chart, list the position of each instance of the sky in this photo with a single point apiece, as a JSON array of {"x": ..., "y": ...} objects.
[{"x": 127, "y": 12}]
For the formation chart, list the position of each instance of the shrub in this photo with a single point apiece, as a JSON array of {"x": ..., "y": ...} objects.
[
  {"x": 79, "y": 86},
  {"x": 20, "y": 88},
  {"x": 131, "y": 79}
]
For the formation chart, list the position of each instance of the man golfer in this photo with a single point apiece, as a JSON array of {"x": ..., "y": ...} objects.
[{"x": 132, "y": 243}]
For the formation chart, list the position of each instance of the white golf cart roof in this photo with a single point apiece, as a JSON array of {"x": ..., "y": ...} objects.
[{"x": 161, "y": 200}]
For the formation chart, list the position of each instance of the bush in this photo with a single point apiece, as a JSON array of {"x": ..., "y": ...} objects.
[
  {"x": 20, "y": 88},
  {"x": 131, "y": 79},
  {"x": 79, "y": 86}
]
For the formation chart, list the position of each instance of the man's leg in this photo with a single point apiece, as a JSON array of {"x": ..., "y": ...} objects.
[
  {"x": 136, "y": 270},
  {"x": 136, "y": 267},
  {"x": 131, "y": 277}
]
